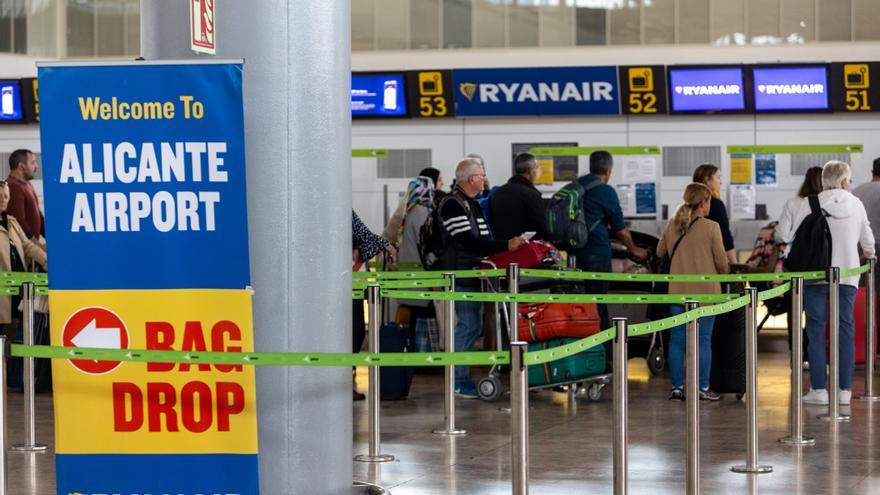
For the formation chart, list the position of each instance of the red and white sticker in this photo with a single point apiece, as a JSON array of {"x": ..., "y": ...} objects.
[{"x": 96, "y": 328}]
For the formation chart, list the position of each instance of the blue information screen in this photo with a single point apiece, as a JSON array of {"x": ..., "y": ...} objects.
[
  {"x": 707, "y": 89},
  {"x": 791, "y": 88},
  {"x": 10, "y": 102},
  {"x": 378, "y": 95}
]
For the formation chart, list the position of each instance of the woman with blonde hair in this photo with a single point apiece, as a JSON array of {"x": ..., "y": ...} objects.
[{"x": 693, "y": 245}]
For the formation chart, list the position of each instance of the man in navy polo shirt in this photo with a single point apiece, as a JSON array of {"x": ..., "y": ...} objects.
[{"x": 601, "y": 203}]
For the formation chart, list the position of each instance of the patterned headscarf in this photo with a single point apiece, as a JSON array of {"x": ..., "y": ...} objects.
[{"x": 419, "y": 192}]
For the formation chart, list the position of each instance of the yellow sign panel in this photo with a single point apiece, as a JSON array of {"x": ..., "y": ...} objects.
[
  {"x": 741, "y": 169},
  {"x": 430, "y": 83},
  {"x": 546, "y": 166},
  {"x": 641, "y": 79},
  {"x": 856, "y": 76},
  {"x": 154, "y": 408}
]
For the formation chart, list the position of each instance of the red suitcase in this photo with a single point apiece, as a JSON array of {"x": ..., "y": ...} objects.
[
  {"x": 859, "y": 320},
  {"x": 532, "y": 254},
  {"x": 544, "y": 321}
]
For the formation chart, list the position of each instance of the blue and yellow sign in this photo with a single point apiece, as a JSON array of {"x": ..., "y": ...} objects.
[{"x": 146, "y": 223}]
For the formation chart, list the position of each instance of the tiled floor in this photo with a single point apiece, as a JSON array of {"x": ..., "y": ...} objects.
[{"x": 571, "y": 446}]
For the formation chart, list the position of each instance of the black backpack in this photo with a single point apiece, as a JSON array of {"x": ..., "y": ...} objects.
[
  {"x": 433, "y": 238},
  {"x": 566, "y": 226},
  {"x": 811, "y": 247}
]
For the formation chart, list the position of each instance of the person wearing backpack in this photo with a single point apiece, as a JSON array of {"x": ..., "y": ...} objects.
[
  {"x": 601, "y": 212},
  {"x": 467, "y": 240},
  {"x": 831, "y": 227},
  {"x": 517, "y": 207},
  {"x": 693, "y": 244}
]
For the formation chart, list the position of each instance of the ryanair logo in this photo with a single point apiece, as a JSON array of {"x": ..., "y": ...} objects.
[
  {"x": 708, "y": 90},
  {"x": 468, "y": 90},
  {"x": 553, "y": 92},
  {"x": 792, "y": 89}
]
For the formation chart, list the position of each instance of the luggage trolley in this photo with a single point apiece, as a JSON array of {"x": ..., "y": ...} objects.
[{"x": 491, "y": 387}]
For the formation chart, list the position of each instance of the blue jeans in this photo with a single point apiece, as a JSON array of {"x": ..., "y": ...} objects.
[
  {"x": 816, "y": 305},
  {"x": 468, "y": 329},
  {"x": 677, "y": 339}
]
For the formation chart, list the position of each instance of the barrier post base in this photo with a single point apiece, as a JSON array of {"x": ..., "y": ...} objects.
[
  {"x": 840, "y": 418},
  {"x": 797, "y": 441},
  {"x": 867, "y": 398},
  {"x": 37, "y": 447},
  {"x": 742, "y": 468},
  {"x": 449, "y": 433},
  {"x": 374, "y": 458}
]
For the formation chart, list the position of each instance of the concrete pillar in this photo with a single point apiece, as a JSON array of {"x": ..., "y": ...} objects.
[{"x": 298, "y": 139}]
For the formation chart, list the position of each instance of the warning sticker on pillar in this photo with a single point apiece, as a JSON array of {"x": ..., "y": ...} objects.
[{"x": 145, "y": 195}]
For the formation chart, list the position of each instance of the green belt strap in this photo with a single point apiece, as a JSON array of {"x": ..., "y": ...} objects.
[
  {"x": 358, "y": 293},
  {"x": 674, "y": 321},
  {"x": 18, "y": 278},
  {"x": 774, "y": 292},
  {"x": 548, "y": 355},
  {"x": 265, "y": 358},
  {"x": 15, "y": 291},
  {"x": 559, "y": 298},
  {"x": 433, "y": 274},
  {"x": 648, "y": 277},
  {"x": 401, "y": 284},
  {"x": 851, "y": 272}
]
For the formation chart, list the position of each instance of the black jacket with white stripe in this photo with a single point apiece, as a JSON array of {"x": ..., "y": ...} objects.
[{"x": 468, "y": 236}]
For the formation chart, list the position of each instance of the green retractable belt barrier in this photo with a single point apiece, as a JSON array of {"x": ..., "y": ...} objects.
[
  {"x": 423, "y": 275},
  {"x": 400, "y": 284},
  {"x": 559, "y": 298},
  {"x": 18, "y": 278}
]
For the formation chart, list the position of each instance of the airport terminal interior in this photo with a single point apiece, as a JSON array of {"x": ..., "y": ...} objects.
[{"x": 189, "y": 170}]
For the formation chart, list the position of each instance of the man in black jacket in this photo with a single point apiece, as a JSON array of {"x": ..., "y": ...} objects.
[
  {"x": 517, "y": 206},
  {"x": 468, "y": 240}
]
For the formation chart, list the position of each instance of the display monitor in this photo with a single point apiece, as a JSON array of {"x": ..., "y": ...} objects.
[
  {"x": 10, "y": 101},
  {"x": 780, "y": 89},
  {"x": 706, "y": 89},
  {"x": 378, "y": 95}
]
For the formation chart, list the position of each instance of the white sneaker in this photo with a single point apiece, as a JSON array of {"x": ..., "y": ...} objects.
[
  {"x": 817, "y": 397},
  {"x": 844, "y": 397}
]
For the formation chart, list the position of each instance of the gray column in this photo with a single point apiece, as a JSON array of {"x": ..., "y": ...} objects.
[{"x": 298, "y": 138}]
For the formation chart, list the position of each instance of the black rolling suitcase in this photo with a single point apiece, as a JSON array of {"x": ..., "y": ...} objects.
[
  {"x": 728, "y": 375},
  {"x": 395, "y": 381}
]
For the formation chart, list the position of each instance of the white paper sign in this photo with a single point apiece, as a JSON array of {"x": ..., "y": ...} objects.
[
  {"x": 639, "y": 169},
  {"x": 742, "y": 201}
]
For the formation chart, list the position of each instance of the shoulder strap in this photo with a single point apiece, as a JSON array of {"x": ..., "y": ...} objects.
[
  {"x": 814, "y": 203},
  {"x": 675, "y": 247},
  {"x": 593, "y": 185}
]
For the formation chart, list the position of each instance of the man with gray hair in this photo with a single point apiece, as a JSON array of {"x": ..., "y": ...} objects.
[
  {"x": 517, "y": 207},
  {"x": 849, "y": 228},
  {"x": 467, "y": 240}
]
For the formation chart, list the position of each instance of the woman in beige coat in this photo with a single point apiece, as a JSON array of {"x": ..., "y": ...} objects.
[
  {"x": 16, "y": 251},
  {"x": 694, "y": 246}
]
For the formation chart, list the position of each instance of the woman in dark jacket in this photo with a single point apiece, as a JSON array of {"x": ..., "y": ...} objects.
[{"x": 710, "y": 175}]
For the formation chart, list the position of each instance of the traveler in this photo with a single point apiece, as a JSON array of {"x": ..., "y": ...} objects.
[
  {"x": 23, "y": 202},
  {"x": 869, "y": 194},
  {"x": 517, "y": 206},
  {"x": 365, "y": 245},
  {"x": 468, "y": 241},
  {"x": 16, "y": 253},
  {"x": 693, "y": 245},
  {"x": 602, "y": 205},
  {"x": 435, "y": 175},
  {"x": 849, "y": 229},
  {"x": 786, "y": 229},
  {"x": 710, "y": 175}
]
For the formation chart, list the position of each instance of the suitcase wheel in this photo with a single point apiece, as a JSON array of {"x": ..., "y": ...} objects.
[
  {"x": 489, "y": 388},
  {"x": 656, "y": 361},
  {"x": 595, "y": 392}
]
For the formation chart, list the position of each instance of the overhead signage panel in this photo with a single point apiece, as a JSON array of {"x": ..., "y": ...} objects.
[
  {"x": 30, "y": 100},
  {"x": 855, "y": 87},
  {"x": 707, "y": 89},
  {"x": 643, "y": 89},
  {"x": 790, "y": 88},
  {"x": 10, "y": 102},
  {"x": 536, "y": 91},
  {"x": 378, "y": 95},
  {"x": 430, "y": 93}
]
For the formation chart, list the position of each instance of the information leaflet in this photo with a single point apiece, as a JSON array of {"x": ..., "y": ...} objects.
[{"x": 146, "y": 225}]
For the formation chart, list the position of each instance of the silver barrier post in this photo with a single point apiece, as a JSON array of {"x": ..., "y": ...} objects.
[
  {"x": 620, "y": 407},
  {"x": 519, "y": 417},
  {"x": 572, "y": 262},
  {"x": 870, "y": 343},
  {"x": 375, "y": 311},
  {"x": 4, "y": 434},
  {"x": 796, "y": 433},
  {"x": 751, "y": 465},
  {"x": 449, "y": 429},
  {"x": 833, "y": 385},
  {"x": 692, "y": 397},
  {"x": 513, "y": 306},
  {"x": 30, "y": 435}
]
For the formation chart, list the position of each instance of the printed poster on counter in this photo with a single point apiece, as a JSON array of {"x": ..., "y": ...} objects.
[
  {"x": 741, "y": 169},
  {"x": 742, "y": 201},
  {"x": 146, "y": 226},
  {"x": 765, "y": 170}
]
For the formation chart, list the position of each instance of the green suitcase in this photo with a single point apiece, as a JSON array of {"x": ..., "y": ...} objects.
[{"x": 572, "y": 368}]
